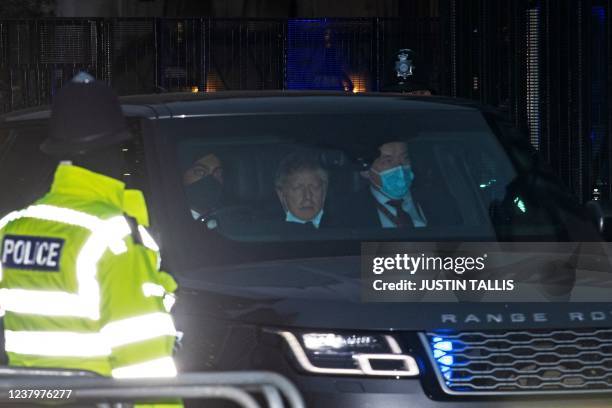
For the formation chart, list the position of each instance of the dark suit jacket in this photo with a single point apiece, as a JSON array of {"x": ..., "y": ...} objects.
[{"x": 439, "y": 208}]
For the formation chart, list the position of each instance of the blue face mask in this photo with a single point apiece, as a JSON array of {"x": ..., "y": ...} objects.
[{"x": 395, "y": 182}]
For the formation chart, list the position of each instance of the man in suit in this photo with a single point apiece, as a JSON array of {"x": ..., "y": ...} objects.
[
  {"x": 301, "y": 187},
  {"x": 393, "y": 200}
]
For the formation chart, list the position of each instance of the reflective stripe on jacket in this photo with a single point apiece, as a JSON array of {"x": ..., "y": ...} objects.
[{"x": 80, "y": 282}]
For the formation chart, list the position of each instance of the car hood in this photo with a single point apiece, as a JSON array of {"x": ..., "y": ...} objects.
[{"x": 325, "y": 293}]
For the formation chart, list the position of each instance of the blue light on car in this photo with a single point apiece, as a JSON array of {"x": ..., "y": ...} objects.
[
  {"x": 445, "y": 351},
  {"x": 444, "y": 346},
  {"x": 446, "y": 360}
]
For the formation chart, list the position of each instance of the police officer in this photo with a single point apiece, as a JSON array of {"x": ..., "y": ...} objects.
[{"x": 80, "y": 282}]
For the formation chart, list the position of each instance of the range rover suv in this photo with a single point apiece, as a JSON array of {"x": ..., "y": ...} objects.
[{"x": 255, "y": 294}]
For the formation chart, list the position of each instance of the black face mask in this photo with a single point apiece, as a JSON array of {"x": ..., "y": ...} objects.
[{"x": 205, "y": 195}]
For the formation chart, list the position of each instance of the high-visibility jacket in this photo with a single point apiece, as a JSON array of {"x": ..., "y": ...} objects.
[{"x": 80, "y": 282}]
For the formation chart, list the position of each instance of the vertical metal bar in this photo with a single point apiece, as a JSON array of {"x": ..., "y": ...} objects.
[
  {"x": 586, "y": 123},
  {"x": 519, "y": 36},
  {"x": 532, "y": 75},
  {"x": 375, "y": 54},
  {"x": 199, "y": 43},
  {"x": 484, "y": 66},
  {"x": 608, "y": 144},
  {"x": 157, "y": 52},
  {"x": 579, "y": 136},
  {"x": 209, "y": 56},
  {"x": 545, "y": 99},
  {"x": 552, "y": 73},
  {"x": 476, "y": 40},
  {"x": 598, "y": 69},
  {"x": 563, "y": 87},
  {"x": 109, "y": 49},
  {"x": 453, "y": 46},
  {"x": 285, "y": 48},
  {"x": 38, "y": 93},
  {"x": 568, "y": 62}
]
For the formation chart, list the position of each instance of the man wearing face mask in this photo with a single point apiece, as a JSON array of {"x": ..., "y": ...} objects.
[
  {"x": 301, "y": 186},
  {"x": 203, "y": 183},
  {"x": 394, "y": 197},
  {"x": 390, "y": 177}
]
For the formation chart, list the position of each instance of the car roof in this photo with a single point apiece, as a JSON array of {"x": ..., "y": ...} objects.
[{"x": 186, "y": 104}]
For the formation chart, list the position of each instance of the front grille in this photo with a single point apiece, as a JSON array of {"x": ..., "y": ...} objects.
[{"x": 516, "y": 362}]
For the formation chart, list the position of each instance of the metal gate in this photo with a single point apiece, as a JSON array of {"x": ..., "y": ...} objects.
[
  {"x": 546, "y": 62},
  {"x": 207, "y": 55}
]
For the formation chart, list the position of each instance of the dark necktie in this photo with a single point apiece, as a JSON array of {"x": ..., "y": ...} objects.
[{"x": 402, "y": 219}]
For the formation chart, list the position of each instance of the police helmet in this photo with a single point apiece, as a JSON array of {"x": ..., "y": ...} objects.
[{"x": 85, "y": 116}]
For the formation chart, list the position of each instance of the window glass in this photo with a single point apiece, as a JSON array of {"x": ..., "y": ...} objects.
[{"x": 327, "y": 180}]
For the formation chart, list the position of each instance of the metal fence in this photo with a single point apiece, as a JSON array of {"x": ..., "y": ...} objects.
[
  {"x": 21, "y": 386},
  {"x": 547, "y": 62},
  {"x": 155, "y": 55}
]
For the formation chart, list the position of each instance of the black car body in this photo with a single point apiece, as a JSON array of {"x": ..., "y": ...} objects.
[{"x": 251, "y": 294}]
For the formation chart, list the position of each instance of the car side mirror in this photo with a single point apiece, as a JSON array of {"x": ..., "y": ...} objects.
[{"x": 601, "y": 214}]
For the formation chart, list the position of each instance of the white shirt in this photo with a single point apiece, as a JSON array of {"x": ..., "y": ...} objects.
[
  {"x": 315, "y": 221},
  {"x": 414, "y": 211}
]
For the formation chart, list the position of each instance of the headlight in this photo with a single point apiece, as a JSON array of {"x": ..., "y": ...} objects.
[
  {"x": 329, "y": 343},
  {"x": 350, "y": 354}
]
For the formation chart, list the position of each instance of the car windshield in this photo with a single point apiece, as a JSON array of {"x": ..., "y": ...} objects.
[{"x": 413, "y": 176}]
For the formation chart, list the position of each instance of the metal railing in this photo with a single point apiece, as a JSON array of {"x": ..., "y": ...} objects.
[
  {"x": 547, "y": 62},
  {"x": 246, "y": 389},
  {"x": 146, "y": 55}
]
